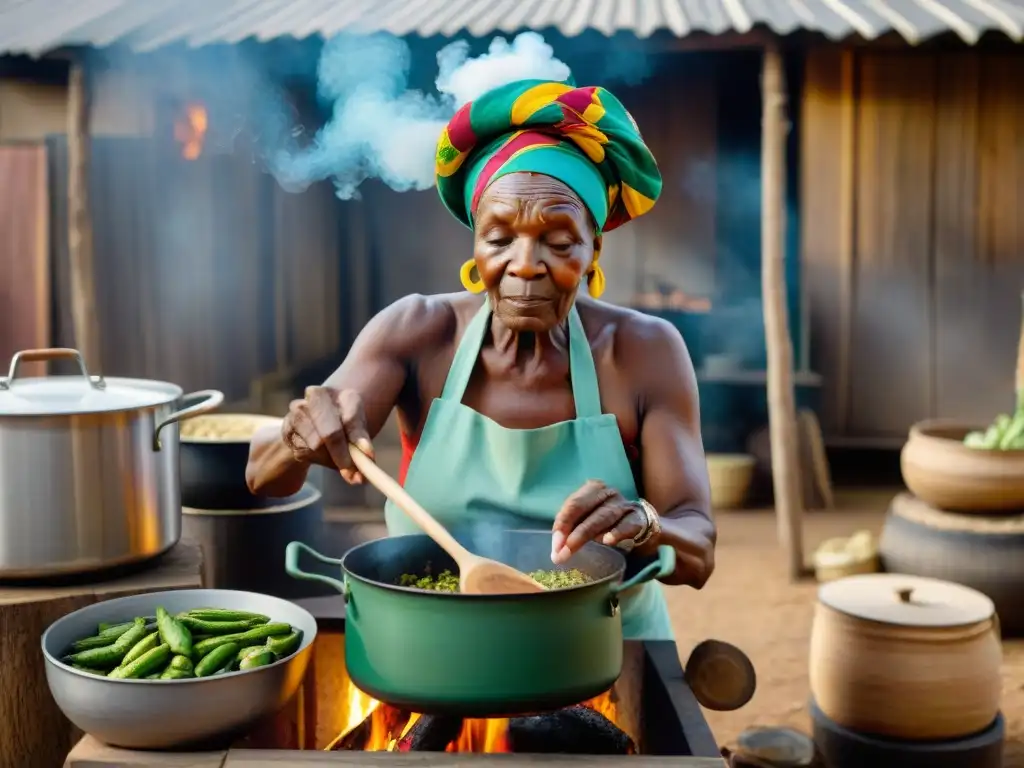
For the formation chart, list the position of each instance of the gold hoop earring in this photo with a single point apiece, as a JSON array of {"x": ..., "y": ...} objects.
[
  {"x": 595, "y": 282},
  {"x": 466, "y": 276}
]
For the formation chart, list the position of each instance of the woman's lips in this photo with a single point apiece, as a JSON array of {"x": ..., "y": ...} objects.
[{"x": 526, "y": 301}]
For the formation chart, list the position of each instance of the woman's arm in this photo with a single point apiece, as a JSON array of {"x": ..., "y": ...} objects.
[
  {"x": 674, "y": 469},
  {"x": 652, "y": 356},
  {"x": 360, "y": 394}
]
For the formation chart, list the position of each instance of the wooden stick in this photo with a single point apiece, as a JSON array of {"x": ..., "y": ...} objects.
[
  {"x": 785, "y": 444},
  {"x": 847, "y": 150},
  {"x": 1020, "y": 359},
  {"x": 80, "y": 245}
]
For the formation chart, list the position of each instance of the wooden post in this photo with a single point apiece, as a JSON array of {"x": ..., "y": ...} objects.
[
  {"x": 80, "y": 253},
  {"x": 782, "y": 423}
]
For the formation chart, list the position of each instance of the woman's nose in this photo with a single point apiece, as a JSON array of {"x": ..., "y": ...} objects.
[{"x": 526, "y": 262}]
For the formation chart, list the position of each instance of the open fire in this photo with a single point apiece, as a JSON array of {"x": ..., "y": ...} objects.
[
  {"x": 190, "y": 130},
  {"x": 593, "y": 727}
]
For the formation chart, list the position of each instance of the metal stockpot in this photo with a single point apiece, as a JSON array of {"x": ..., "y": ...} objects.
[{"x": 89, "y": 473}]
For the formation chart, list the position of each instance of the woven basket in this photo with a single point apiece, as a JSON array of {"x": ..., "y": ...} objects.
[{"x": 731, "y": 475}]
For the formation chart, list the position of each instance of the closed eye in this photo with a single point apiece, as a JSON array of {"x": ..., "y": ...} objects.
[{"x": 560, "y": 246}]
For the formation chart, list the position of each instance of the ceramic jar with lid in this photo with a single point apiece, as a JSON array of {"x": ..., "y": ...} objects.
[{"x": 905, "y": 657}]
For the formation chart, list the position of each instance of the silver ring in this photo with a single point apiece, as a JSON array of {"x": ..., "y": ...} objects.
[{"x": 651, "y": 525}]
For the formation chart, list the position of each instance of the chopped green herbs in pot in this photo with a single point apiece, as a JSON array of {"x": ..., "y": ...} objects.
[
  {"x": 571, "y": 577},
  {"x": 446, "y": 581}
]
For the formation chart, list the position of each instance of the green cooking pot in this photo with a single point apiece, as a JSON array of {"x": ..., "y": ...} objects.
[{"x": 480, "y": 655}]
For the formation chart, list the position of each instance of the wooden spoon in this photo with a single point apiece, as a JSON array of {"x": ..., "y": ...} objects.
[{"x": 477, "y": 575}]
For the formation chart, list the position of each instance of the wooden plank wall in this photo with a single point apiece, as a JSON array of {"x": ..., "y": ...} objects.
[
  {"x": 912, "y": 244},
  {"x": 208, "y": 274},
  {"x": 24, "y": 253}
]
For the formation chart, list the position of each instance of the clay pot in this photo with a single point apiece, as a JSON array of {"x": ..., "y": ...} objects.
[
  {"x": 905, "y": 657},
  {"x": 942, "y": 471}
]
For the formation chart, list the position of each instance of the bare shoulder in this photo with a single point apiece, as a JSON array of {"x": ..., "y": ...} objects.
[
  {"x": 636, "y": 336},
  {"x": 649, "y": 350},
  {"x": 419, "y": 324}
]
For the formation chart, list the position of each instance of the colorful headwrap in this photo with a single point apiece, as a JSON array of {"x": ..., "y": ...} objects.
[{"x": 583, "y": 137}]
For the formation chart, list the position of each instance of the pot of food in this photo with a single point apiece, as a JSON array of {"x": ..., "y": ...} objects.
[
  {"x": 244, "y": 548},
  {"x": 941, "y": 466},
  {"x": 88, "y": 468},
  {"x": 412, "y": 643},
  {"x": 905, "y": 657},
  {"x": 214, "y": 452}
]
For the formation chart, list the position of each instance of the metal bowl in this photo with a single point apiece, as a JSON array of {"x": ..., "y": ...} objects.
[{"x": 168, "y": 714}]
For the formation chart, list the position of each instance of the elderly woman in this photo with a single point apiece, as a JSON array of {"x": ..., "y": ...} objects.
[{"x": 521, "y": 400}]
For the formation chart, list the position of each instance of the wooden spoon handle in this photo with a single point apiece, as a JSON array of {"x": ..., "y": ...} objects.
[{"x": 387, "y": 485}]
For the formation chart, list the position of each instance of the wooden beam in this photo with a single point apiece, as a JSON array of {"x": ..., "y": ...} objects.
[
  {"x": 80, "y": 245},
  {"x": 785, "y": 444},
  {"x": 847, "y": 141},
  {"x": 1019, "y": 378}
]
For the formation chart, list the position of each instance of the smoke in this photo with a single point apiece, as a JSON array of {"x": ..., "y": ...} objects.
[{"x": 379, "y": 127}]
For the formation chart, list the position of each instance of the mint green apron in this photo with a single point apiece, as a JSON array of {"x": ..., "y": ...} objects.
[{"x": 467, "y": 467}]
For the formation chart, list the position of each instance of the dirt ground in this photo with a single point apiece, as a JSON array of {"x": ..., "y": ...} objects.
[{"x": 749, "y": 602}]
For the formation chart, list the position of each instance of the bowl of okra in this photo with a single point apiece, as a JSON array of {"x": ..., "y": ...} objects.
[{"x": 167, "y": 670}]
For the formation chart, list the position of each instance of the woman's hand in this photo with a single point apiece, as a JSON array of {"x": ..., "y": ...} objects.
[
  {"x": 594, "y": 513},
  {"x": 319, "y": 428}
]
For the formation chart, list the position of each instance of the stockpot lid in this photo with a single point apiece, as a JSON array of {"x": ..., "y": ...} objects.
[
  {"x": 82, "y": 394},
  {"x": 908, "y": 601}
]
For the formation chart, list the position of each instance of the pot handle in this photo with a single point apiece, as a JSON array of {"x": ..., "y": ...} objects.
[
  {"x": 663, "y": 566},
  {"x": 291, "y": 565},
  {"x": 45, "y": 355},
  {"x": 209, "y": 399}
]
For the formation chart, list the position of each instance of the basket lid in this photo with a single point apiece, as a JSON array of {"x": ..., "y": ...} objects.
[{"x": 909, "y": 601}]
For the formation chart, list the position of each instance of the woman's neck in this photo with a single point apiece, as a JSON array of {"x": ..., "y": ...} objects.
[{"x": 529, "y": 348}]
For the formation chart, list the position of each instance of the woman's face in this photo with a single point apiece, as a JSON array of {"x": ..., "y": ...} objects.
[{"x": 533, "y": 243}]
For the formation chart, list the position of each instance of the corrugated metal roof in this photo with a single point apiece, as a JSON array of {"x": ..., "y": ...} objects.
[{"x": 36, "y": 26}]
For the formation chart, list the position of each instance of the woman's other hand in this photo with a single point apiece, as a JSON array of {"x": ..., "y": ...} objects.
[
  {"x": 594, "y": 513},
  {"x": 320, "y": 426}
]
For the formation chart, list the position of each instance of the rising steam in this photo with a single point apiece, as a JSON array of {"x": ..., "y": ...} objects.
[{"x": 379, "y": 128}]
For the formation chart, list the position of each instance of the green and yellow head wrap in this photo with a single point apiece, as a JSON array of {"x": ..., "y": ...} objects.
[{"x": 583, "y": 137}]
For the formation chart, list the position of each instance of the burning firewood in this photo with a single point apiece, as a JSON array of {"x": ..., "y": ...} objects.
[
  {"x": 575, "y": 730},
  {"x": 356, "y": 739},
  {"x": 430, "y": 733},
  {"x": 373, "y": 733}
]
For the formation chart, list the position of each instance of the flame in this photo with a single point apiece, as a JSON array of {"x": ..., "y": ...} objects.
[
  {"x": 190, "y": 130},
  {"x": 387, "y": 726}
]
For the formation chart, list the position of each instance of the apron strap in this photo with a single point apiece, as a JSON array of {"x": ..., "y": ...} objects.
[
  {"x": 466, "y": 355},
  {"x": 585, "y": 392}
]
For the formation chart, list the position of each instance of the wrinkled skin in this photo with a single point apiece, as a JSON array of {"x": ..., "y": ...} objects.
[{"x": 533, "y": 246}]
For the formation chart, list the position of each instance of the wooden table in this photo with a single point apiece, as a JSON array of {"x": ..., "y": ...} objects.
[
  {"x": 33, "y": 731},
  {"x": 91, "y": 754}
]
